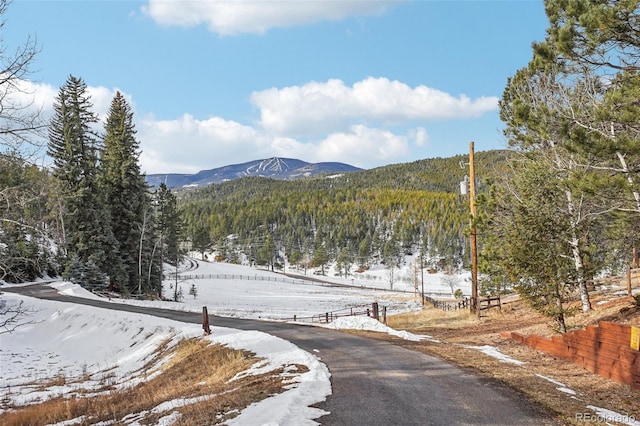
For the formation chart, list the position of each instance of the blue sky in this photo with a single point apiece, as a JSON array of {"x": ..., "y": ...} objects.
[{"x": 223, "y": 82}]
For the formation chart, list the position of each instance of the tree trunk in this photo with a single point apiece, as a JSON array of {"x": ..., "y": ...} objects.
[
  {"x": 560, "y": 318},
  {"x": 627, "y": 173},
  {"x": 581, "y": 278},
  {"x": 577, "y": 256},
  {"x": 140, "y": 275}
]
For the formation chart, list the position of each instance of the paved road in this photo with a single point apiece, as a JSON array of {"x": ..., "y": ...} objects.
[{"x": 374, "y": 382}]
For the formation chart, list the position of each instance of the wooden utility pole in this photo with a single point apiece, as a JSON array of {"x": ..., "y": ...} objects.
[
  {"x": 474, "y": 246},
  {"x": 422, "y": 273}
]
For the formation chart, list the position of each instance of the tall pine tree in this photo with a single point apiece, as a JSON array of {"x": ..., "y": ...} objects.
[
  {"x": 74, "y": 148},
  {"x": 125, "y": 189},
  {"x": 168, "y": 228}
]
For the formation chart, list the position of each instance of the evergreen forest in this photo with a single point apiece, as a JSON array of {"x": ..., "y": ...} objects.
[
  {"x": 354, "y": 219},
  {"x": 91, "y": 218}
]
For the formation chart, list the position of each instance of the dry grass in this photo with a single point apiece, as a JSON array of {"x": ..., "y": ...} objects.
[
  {"x": 212, "y": 374},
  {"x": 196, "y": 370},
  {"x": 456, "y": 330}
]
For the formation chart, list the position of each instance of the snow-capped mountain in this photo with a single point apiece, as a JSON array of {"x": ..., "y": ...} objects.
[{"x": 275, "y": 168}]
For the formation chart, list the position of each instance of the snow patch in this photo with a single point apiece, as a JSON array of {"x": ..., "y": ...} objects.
[
  {"x": 370, "y": 324},
  {"x": 495, "y": 353}
]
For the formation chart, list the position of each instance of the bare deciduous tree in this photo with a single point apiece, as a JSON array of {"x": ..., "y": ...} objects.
[
  {"x": 22, "y": 131},
  {"x": 13, "y": 316},
  {"x": 21, "y": 122}
]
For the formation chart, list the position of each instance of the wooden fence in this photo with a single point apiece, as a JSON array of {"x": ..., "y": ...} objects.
[
  {"x": 631, "y": 280},
  {"x": 235, "y": 277},
  {"x": 605, "y": 350},
  {"x": 465, "y": 303},
  {"x": 489, "y": 302},
  {"x": 283, "y": 279},
  {"x": 448, "y": 305},
  {"x": 375, "y": 312}
]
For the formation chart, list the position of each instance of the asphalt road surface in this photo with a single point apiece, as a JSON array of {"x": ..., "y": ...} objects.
[{"x": 374, "y": 382}]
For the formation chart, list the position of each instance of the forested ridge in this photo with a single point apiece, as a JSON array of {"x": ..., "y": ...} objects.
[{"x": 357, "y": 217}]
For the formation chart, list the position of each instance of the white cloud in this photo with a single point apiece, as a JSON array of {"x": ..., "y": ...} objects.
[
  {"x": 41, "y": 97},
  {"x": 360, "y": 146},
  {"x": 229, "y": 17},
  {"x": 341, "y": 123},
  {"x": 34, "y": 95},
  {"x": 188, "y": 145},
  {"x": 315, "y": 107},
  {"x": 363, "y": 145}
]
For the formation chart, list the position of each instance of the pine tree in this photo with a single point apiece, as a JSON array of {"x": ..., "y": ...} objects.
[
  {"x": 201, "y": 240},
  {"x": 169, "y": 226},
  {"x": 149, "y": 254},
  {"x": 124, "y": 187},
  {"x": 267, "y": 252},
  {"x": 24, "y": 247},
  {"x": 320, "y": 257},
  {"x": 391, "y": 255},
  {"x": 74, "y": 148},
  {"x": 343, "y": 261}
]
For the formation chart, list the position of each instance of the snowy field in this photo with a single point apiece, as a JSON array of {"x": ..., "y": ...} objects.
[
  {"x": 246, "y": 292},
  {"x": 62, "y": 339},
  {"x": 102, "y": 346}
]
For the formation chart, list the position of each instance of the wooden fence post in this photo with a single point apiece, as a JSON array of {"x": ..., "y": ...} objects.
[{"x": 205, "y": 321}]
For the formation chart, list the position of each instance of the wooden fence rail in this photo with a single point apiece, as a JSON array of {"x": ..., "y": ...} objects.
[
  {"x": 489, "y": 302},
  {"x": 604, "y": 350},
  {"x": 234, "y": 277},
  {"x": 632, "y": 280},
  {"x": 375, "y": 312},
  {"x": 448, "y": 305}
]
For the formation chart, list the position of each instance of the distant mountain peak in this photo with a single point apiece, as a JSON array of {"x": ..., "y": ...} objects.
[{"x": 274, "y": 167}]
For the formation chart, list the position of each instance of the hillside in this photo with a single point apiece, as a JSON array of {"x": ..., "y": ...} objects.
[{"x": 383, "y": 213}]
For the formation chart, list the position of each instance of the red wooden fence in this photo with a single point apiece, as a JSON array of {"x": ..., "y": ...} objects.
[{"x": 604, "y": 350}]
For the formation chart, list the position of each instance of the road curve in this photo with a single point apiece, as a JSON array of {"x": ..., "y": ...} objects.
[{"x": 374, "y": 382}]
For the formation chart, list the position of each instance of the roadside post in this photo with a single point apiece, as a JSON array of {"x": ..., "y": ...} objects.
[{"x": 205, "y": 321}]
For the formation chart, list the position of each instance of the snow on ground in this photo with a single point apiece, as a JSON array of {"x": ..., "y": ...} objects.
[
  {"x": 67, "y": 340},
  {"x": 246, "y": 292},
  {"x": 495, "y": 353},
  {"x": 561, "y": 386},
  {"x": 366, "y": 323}
]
